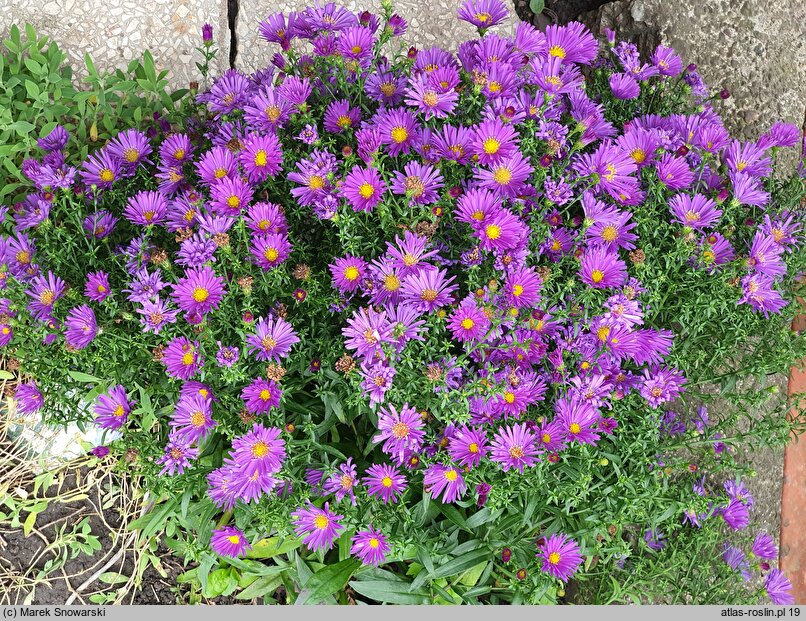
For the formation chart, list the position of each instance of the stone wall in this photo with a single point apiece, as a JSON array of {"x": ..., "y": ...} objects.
[{"x": 114, "y": 32}]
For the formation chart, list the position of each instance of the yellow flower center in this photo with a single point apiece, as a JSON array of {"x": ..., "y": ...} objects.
[
  {"x": 517, "y": 290},
  {"x": 509, "y": 397},
  {"x": 260, "y": 158},
  {"x": 366, "y": 190},
  {"x": 558, "y": 51},
  {"x": 233, "y": 202},
  {"x": 597, "y": 276},
  {"x": 638, "y": 155},
  {"x": 356, "y": 49},
  {"x": 388, "y": 89},
  {"x": 386, "y": 481},
  {"x": 502, "y": 175},
  {"x": 400, "y": 430},
  {"x": 483, "y": 17},
  {"x": 574, "y": 428},
  {"x": 321, "y": 522},
  {"x": 554, "y": 558},
  {"x": 271, "y": 254},
  {"x": 234, "y": 539},
  {"x": 200, "y": 294},
  {"x": 344, "y": 121},
  {"x": 316, "y": 182},
  {"x": 609, "y": 233},
  {"x": 451, "y": 475},
  {"x": 545, "y": 438},
  {"x": 429, "y": 295},
  {"x": 106, "y": 175},
  {"x": 692, "y": 216},
  {"x": 493, "y": 231},
  {"x": 374, "y": 543},
  {"x": 188, "y": 358},
  {"x": 130, "y": 154},
  {"x": 265, "y": 394},
  {"x": 260, "y": 449},
  {"x": 430, "y": 99},
  {"x": 351, "y": 273},
  {"x": 119, "y": 411},
  {"x": 516, "y": 452},
  {"x": 603, "y": 333},
  {"x": 46, "y": 297},
  {"x": 391, "y": 283},
  {"x": 346, "y": 481},
  {"x": 272, "y": 113},
  {"x": 198, "y": 419},
  {"x": 268, "y": 342},
  {"x": 399, "y": 134},
  {"x": 468, "y": 323}
]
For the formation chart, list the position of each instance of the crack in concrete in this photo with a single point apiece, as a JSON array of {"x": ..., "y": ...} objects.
[{"x": 232, "y": 21}]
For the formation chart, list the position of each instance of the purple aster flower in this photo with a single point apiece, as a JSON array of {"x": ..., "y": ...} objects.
[
  {"x": 192, "y": 420},
  {"x": 156, "y": 315},
  {"x": 101, "y": 170},
  {"x": 667, "y": 61},
  {"x": 514, "y": 447},
  {"x": 97, "y": 288},
  {"x": 263, "y": 218},
  {"x": 561, "y": 556},
  {"x": 661, "y": 385},
  {"x": 309, "y": 135},
  {"x": 145, "y": 208},
  {"x": 428, "y": 290},
  {"x": 259, "y": 450},
  {"x": 268, "y": 111},
  {"x": 340, "y": 116},
  {"x": 385, "y": 482},
  {"x": 736, "y": 560},
  {"x": 229, "y": 541},
  {"x": 385, "y": 87},
  {"x": 366, "y": 332},
  {"x": 28, "y": 398},
  {"x": 56, "y": 140},
  {"x": 573, "y": 43},
  {"x": 363, "y": 188},
  {"x": 398, "y": 130},
  {"x": 601, "y": 268},
  {"x": 410, "y": 253},
  {"x": 348, "y": 273},
  {"x": 445, "y": 481},
  {"x": 113, "y": 409},
  {"x": 177, "y": 456},
  {"x": 217, "y": 163},
  {"x": 493, "y": 140},
  {"x": 747, "y": 158},
  {"x": 779, "y": 588},
  {"x": 182, "y": 358},
  {"x": 370, "y": 546},
  {"x": 343, "y": 481},
  {"x": 419, "y": 182},
  {"x": 764, "y": 547},
  {"x": 784, "y": 229},
  {"x": 698, "y": 211},
  {"x": 176, "y": 150},
  {"x": 501, "y": 231},
  {"x": 261, "y": 157},
  {"x": 270, "y": 250},
  {"x": 624, "y": 86},
  {"x": 44, "y": 291},
  {"x": 736, "y": 514},
  {"x": 130, "y": 148},
  {"x": 227, "y": 356},
  {"x": 765, "y": 256},
  {"x": 80, "y": 327},
  {"x": 100, "y": 451},
  {"x": 320, "y": 527},
  {"x": 483, "y": 13},
  {"x": 196, "y": 251},
  {"x": 261, "y": 396},
  {"x": 429, "y": 100},
  {"x": 228, "y": 93},
  {"x": 377, "y": 380},
  {"x": 229, "y": 196},
  {"x": 738, "y": 490},
  {"x": 758, "y": 291},
  {"x": 551, "y": 437},
  {"x": 654, "y": 539},
  {"x": 272, "y": 340},
  {"x": 468, "y": 322},
  {"x": 673, "y": 172},
  {"x": 506, "y": 177},
  {"x": 468, "y": 446},
  {"x": 200, "y": 291},
  {"x": 781, "y": 134},
  {"x": 578, "y": 419},
  {"x": 402, "y": 432}
]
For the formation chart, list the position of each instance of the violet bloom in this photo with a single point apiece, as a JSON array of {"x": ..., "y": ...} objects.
[
  {"x": 182, "y": 359},
  {"x": 156, "y": 315},
  {"x": 402, "y": 432},
  {"x": 428, "y": 290},
  {"x": 192, "y": 420},
  {"x": 601, "y": 268},
  {"x": 200, "y": 291},
  {"x": 377, "y": 380},
  {"x": 56, "y": 140},
  {"x": 97, "y": 288},
  {"x": 28, "y": 398},
  {"x": 177, "y": 456},
  {"x": 468, "y": 446},
  {"x": 320, "y": 527},
  {"x": 348, "y": 272},
  {"x": 227, "y": 356},
  {"x": 229, "y": 541},
  {"x": 483, "y": 13},
  {"x": 419, "y": 182},
  {"x": 363, "y": 188},
  {"x": 661, "y": 385},
  {"x": 343, "y": 481},
  {"x": 561, "y": 556},
  {"x": 624, "y": 86},
  {"x": 261, "y": 396},
  {"x": 80, "y": 327},
  {"x": 385, "y": 482},
  {"x": 272, "y": 340},
  {"x": 445, "y": 481},
  {"x": 146, "y": 208},
  {"x": 698, "y": 211},
  {"x": 468, "y": 322},
  {"x": 370, "y": 546},
  {"x": 674, "y": 172},
  {"x": 736, "y": 514},
  {"x": 113, "y": 409},
  {"x": 654, "y": 539},
  {"x": 261, "y": 157},
  {"x": 779, "y": 588},
  {"x": 514, "y": 447},
  {"x": 764, "y": 547},
  {"x": 578, "y": 419}
]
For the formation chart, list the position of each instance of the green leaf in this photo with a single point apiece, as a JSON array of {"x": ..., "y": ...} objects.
[
  {"x": 112, "y": 577},
  {"x": 6, "y": 375},
  {"x": 268, "y": 548},
  {"x": 327, "y": 581},
  {"x": 83, "y": 377},
  {"x": 472, "y": 575},
  {"x": 22, "y": 127},
  {"x": 537, "y": 6},
  {"x": 387, "y": 592},
  {"x": 32, "y": 89},
  {"x": 28, "y": 525},
  {"x": 261, "y": 587},
  {"x": 219, "y": 582},
  {"x": 461, "y": 563}
]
